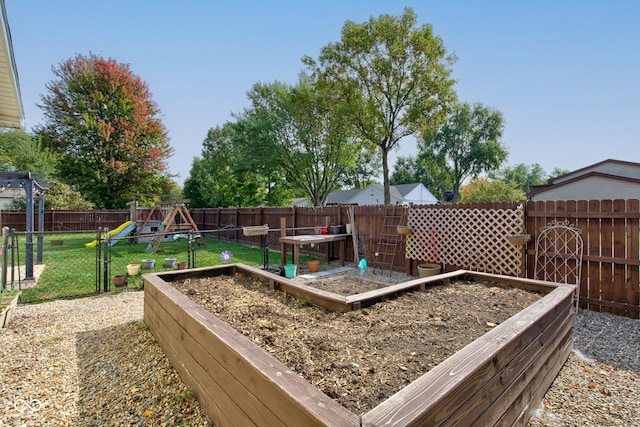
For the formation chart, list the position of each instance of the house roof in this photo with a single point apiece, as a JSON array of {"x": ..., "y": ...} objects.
[
  {"x": 583, "y": 171},
  {"x": 342, "y": 196},
  {"x": 588, "y": 172},
  {"x": 405, "y": 189},
  {"x": 11, "y": 112}
]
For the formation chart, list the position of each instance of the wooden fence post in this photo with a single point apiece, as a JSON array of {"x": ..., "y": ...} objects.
[{"x": 283, "y": 233}]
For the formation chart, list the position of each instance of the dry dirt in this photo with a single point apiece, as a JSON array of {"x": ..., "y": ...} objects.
[{"x": 359, "y": 358}]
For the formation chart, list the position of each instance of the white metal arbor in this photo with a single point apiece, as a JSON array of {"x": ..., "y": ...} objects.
[{"x": 559, "y": 254}]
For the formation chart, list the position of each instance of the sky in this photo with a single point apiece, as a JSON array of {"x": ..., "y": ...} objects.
[{"x": 564, "y": 74}]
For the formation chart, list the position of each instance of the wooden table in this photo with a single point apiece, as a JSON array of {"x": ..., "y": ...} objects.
[{"x": 297, "y": 241}]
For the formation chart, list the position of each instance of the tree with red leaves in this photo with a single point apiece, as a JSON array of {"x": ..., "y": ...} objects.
[{"x": 100, "y": 117}]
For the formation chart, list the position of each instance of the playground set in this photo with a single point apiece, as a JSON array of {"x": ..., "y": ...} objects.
[{"x": 166, "y": 220}]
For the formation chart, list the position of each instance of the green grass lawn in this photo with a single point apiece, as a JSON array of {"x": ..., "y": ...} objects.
[{"x": 70, "y": 269}]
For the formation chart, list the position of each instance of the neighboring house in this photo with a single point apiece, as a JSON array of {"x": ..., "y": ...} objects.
[
  {"x": 300, "y": 201},
  {"x": 7, "y": 195},
  {"x": 416, "y": 193},
  {"x": 609, "y": 179},
  {"x": 374, "y": 195}
]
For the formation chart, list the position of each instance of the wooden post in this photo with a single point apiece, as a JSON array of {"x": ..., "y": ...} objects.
[
  {"x": 294, "y": 218},
  {"x": 283, "y": 233}
]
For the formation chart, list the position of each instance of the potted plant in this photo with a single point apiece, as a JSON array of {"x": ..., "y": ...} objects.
[
  {"x": 313, "y": 265},
  {"x": 428, "y": 269},
  {"x": 404, "y": 229},
  {"x": 148, "y": 264},
  {"x": 133, "y": 269},
  {"x": 429, "y": 252}
]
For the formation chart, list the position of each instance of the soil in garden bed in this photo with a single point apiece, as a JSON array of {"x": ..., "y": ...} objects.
[
  {"x": 359, "y": 358},
  {"x": 346, "y": 285}
]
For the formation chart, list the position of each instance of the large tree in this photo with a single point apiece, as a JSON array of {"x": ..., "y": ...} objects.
[
  {"x": 392, "y": 77},
  {"x": 101, "y": 118},
  {"x": 222, "y": 178},
  {"x": 521, "y": 175},
  {"x": 367, "y": 167},
  {"x": 410, "y": 169},
  {"x": 484, "y": 190},
  {"x": 465, "y": 146},
  {"x": 295, "y": 129}
]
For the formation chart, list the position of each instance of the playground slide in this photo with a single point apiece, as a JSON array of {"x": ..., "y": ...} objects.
[{"x": 116, "y": 234}]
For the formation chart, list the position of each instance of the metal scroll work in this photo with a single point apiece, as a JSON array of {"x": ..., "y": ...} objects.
[{"x": 559, "y": 254}]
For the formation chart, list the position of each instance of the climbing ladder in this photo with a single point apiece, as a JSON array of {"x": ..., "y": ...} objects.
[
  {"x": 388, "y": 239},
  {"x": 175, "y": 209}
]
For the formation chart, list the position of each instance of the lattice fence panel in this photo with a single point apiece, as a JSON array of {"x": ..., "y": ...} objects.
[{"x": 474, "y": 239}]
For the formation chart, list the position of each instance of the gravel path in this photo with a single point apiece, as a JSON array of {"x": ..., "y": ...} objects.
[
  {"x": 599, "y": 385},
  {"x": 92, "y": 361},
  {"x": 89, "y": 362}
]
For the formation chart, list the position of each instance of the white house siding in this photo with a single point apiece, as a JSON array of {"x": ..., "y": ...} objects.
[
  {"x": 591, "y": 188},
  {"x": 420, "y": 196},
  {"x": 5, "y": 202}
]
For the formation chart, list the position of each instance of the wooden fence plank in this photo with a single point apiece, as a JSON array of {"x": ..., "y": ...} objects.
[
  {"x": 619, "y": 244},
  {"x": 606, "y": 248},
  {"x": 583, "y": 225},
  {"x": 593, "y": 249},
  {"x": 633, "y": 250}
]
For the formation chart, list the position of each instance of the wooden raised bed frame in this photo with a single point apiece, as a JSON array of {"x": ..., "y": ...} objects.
[{"x": 497, "y": 379}]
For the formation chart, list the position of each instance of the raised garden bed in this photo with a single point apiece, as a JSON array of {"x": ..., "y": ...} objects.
[
  {"x": 8, "y": 304},
  {"x": 499, "y": 376}
]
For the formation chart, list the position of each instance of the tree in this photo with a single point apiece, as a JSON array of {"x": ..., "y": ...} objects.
[
  {"x": 523, "y": 176},
  {"x": 219, "y": 178},
  {"x": 464, "y": 147},
  {"x": 367, "y": 166},
  {"x": 295, "y": 129},
  {"x": 485, "y": 190},
  {"x": 557, "y": 172},
  {"x": 391, "y": 77},
  {"x": 406, "y": 171},
  {"x": 59, "y": 196},
  {"x": 20, "y": 151},
  {"x": 410, "y": 169},
  {"x": 101, "y": 119}
]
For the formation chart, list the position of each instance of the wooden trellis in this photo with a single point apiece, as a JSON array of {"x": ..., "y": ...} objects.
[{"x": 473, "y": 239}]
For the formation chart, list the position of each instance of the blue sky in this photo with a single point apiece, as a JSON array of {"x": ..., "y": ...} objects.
[{"x": 565, "y": 74}]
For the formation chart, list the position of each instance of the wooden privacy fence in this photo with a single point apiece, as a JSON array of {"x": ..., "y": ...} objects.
[
  {"x": 474, "y": 235},
  {"x": 611, "y": 255},
  {"x": 66, "y": 220}
]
